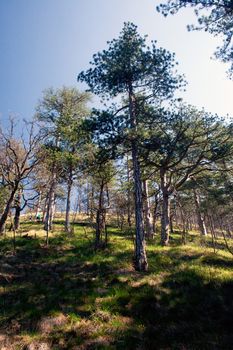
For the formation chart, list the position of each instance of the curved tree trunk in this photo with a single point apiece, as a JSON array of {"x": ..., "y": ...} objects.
[{"x": 7, "y": 209}]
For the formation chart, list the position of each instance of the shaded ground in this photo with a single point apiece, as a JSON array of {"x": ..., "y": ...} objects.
[{"x": 67, "y": 296}]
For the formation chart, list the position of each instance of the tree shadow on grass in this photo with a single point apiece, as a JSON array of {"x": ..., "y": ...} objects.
[
  {"x": 38, "y": 280},
  {"x": 186, "y": 313},
  {"x": 179, "y": 311},
  {"x": 217, "y": 261}
]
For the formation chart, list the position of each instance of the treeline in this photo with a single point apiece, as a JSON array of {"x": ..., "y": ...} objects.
[{"x": 145, "y": 156}]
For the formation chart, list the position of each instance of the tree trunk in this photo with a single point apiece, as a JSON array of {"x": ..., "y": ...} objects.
[
  {"x": 45, "y": 208},
  {"x": 155, "y": 213},
  {"x": 229, "y": 230},
  {"x": 7, "y": 209},
  {"x": 88, "y": 200},
  {"x": 212, "y": 232},
  {"x": 48, "y": 214},
  {"x": 129, "y": 195},
  {"x": 147, "y": 214},
  {"x": 200, "y": 219},
  {"x": 79, "y": 200},
  {"x": 92, "y": 204},
  {"x": 68, "y": 199},
  {"x": 184, "y": 222},
  {"x": 165, "y": 218},
  {"x": 52, "y": 211},
  {"x": 38, "y": 204},
  {"x": 171, "y": 224},
  {"x": 17, "y": 211},
  {"x": 100, "y": 227},
  {"x": 100, "y": 219},
  {"x": 140, "y": 244}
]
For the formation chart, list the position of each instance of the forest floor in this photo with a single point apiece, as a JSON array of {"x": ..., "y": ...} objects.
[{"x": 67, "y": 296}]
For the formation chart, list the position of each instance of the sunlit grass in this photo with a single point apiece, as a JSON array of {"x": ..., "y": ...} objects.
[{"x": 105, "y": 304}]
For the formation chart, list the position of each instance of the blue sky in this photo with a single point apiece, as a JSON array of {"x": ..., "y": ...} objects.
[{"x": 47, "y": 43}]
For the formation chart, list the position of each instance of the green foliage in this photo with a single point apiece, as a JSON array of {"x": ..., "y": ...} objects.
[
  {"x": 63, "y": 108},
  {"x": 61, "y": 113},
  {"x": 184, "y": 142},
  {"x": 213, "y": 16},
  {"x": 129, "y": 61},
  {"x": 128, "y": 64}
]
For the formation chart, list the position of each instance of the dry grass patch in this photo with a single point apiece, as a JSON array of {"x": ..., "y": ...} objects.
[
  {"x": 86, "y": 328},
  {"x": 47, "y": 324},
  {"x": 38, "y": 345},
  {"x": 102, "y": 342}
]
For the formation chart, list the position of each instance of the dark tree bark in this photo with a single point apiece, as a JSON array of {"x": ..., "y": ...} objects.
[
  {"x": 17, "y": 210},
  {"x": 7, "y": 208},
  {"x": 171, "y": 223},
  {"x": 100, "y": 219}
]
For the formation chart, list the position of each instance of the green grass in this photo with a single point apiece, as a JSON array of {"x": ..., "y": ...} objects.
[{"x": 95, "y": 300}]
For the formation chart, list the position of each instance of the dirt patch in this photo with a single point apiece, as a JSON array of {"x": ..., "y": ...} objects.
[
  {"x": 104, "y": 316},
  {"x": 47, "y": 324},
  {"x": 38, "y": 346},
  {"x": 101, "y": 342},
  {"x": 86, "y": 328},
  {"x": 10, "y": 343}
]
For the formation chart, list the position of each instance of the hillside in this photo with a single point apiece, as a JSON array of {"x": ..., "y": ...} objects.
[{"x": 67, "y": 296}]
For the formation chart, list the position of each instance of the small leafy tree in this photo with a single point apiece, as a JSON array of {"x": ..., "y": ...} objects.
[
  {"x": 102, "y": 176},
  {"x": 61, "y": 113}
]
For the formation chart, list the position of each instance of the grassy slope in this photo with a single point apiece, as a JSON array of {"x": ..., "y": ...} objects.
[{"x": 69, "y": 297}]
